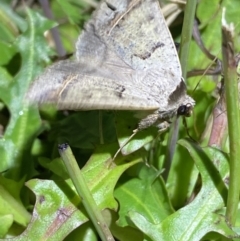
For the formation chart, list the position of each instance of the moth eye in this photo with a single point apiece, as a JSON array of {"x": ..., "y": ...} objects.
[{"x": 185, "y": 110}]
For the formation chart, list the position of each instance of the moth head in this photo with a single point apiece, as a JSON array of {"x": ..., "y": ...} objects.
[
  {"x": 185, "y": 110},
  {"x": 185, "y": 107}
]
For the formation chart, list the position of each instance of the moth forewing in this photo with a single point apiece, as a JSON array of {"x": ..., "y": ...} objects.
[
  {"x": 125, "y": 60},
  {"x": 80, "y": 90}
]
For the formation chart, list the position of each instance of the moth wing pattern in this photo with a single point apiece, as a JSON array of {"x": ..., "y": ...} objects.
[
  {"x": 125, "y": 60},
  {"x": 75, "y": 86},
  {"x": 135, "y": 32}
]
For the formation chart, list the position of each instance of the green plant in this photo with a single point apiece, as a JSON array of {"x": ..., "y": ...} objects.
[{"x": 137, "y": 203}]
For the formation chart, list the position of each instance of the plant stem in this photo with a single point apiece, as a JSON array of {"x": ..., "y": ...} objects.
[
  {"x": 186, "y": 36},
  {"x": 84, "y": 193},
  {"x": 183, "y": 56},
  {"x": 232, "y": 103},
  {"x": 54, "y": 31}
]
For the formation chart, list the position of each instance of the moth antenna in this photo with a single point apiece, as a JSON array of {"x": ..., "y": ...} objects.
[{"x": 125, "y": 143}]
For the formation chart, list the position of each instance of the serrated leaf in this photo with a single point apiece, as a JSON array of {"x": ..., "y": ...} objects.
[
  {"x": 58, "y": 209},
  {"x": 147, "y": 193},
  {"x": 102, "y": 173},
  {"x": 24, "y": 122},
  {"x": 200, "y": 216},
  {"x": 55, "y": 214}
]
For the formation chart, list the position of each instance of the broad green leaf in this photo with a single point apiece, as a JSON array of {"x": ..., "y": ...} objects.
[
  {"x": 148, "y": 195},
  {"x": 24, "y": 121},
  {"x": 200, "y": 216},
  {"x": 58, "y": 209},
  {"x": 102, "y": 173},
  {"x": 55, "y": 213}
]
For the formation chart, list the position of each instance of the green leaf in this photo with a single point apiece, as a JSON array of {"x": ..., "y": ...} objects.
[
  {"x": 56, "y": 166},
  {"x": 85, "y": 232},
  {"x": 182, "y": 178},
  {"x": 122, "y": 233},
  {"x": 200, "y": 216},
  {"x": 89, "y": 132},
  {"x": 102, "y": 173},
  {"x": 11, "y": 21},
  {"x": 8, "y": 51},
  {"x": 24, "y": 121},
  {"x": 58, "y": 209},
  {"x": 147, "y": 193},
  {"x": 5, "y": 223},
  {"x": 71, "y": 10},
  {"x": 10, "y": 203},
  {"x": 55, "y": 214},
  {"x": 5, "y": 79}
]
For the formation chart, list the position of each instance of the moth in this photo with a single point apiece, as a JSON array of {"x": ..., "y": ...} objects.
[{"x": 125, "y": 60}]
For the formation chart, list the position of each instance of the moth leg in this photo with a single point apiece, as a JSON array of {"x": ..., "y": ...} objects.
[
  {"x": 148, "y": 120},
  {"x": 163, "y": 126},
  {"x": 145, "y": 123},
  {"x": 124, "y": 144}
]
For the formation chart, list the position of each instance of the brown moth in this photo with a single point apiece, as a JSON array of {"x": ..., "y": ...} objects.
[{"x": 125, "y": 60}]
